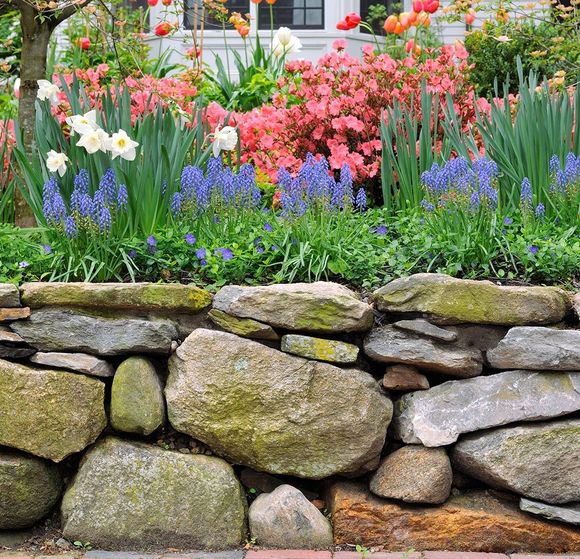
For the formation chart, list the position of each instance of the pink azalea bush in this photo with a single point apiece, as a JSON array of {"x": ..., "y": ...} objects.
[
  {"x": 334, "y": 108},
  {"x": 146, "y": 91}
]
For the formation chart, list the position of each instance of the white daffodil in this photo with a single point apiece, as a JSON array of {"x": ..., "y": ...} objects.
[
  {"x": 285, "y": 43},
  {"x": 119, "y": 144},
  {"x": 94, "y": 140},
  {"x": 56, "y": 162},
  {"x": 224, "y": 139},
  {"x": 83, "y": 124},
  {"x": 47, "y": 90},
  {"x": 16, "y": 87}
]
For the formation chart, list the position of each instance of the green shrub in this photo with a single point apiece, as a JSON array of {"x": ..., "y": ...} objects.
[{"x": 545, "y": 48}]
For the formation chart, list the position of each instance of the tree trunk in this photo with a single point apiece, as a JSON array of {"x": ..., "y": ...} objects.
[{"x": 35, "y": 40}]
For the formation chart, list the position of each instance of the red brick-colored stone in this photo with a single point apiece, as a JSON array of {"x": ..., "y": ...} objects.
[
  {"x": 374, "y": 555},
  {"x": 480, "y": 521},
  {"x": 287, "y": 554},
  {"x": 462, "y": 555}
]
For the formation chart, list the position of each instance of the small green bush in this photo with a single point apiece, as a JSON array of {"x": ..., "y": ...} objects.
[{"x": 545, "y": 48}]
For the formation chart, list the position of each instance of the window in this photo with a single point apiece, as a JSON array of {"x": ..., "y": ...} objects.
[
  {"x": 390, "y": 7},
  {"x": 241, "y": 6},
  {"x": 296, "y": 14}
]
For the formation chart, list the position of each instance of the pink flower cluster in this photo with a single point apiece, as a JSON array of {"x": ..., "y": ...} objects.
[
  {"x": 146, "y": 91},
  {"x": 334, "y": 108}
]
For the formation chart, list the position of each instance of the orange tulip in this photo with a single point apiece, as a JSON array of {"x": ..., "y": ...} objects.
[
  {"x": 390, "y": 24},
  {"x": 256, "y": 1},
  {"x": 399, "y": 29},
  {"x": 243, "y": 30},
  {"x": 271, "y": 2},
  {"x": 413, "y": 15}
]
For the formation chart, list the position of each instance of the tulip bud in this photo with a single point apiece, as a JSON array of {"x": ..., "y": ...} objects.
[
  {"x": 390, "y": 24},
  {"x": 84, "y": 43},
  {"x": 417, "y": 6},
  {"x": 470, "y": 17},
  {"x": 342, "y": 25},
  {"x": 432, "y": 6},
  {"x": 162, "y": 29},
  {"x": 284, "y": 36},
  {"x": 152, "y": 3},
  {"x": 352, "y": 19}
]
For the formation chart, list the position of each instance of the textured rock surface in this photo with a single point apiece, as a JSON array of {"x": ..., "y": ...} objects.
[
  {"x": 480, "y": 302},
  {"x": 272, "y": 411},
  {"x": 9, "y": 295},
  {"x": 286, "y": 519},
  {"x": 137, "y": 404},
  {"x": 476, "y": 521},
  {"x": 537, "y": 348},
  {"x": 7, "y": 335},
  {"x": 171, "y": 297},
  {"x": 132, "y": 495},
  {"x": 51, "y": 329},
  {"x": 245, "y": 327},
  {"x": 47, "y": 413},
  {"x": 10, "y": 314},
  {"x": 320, "y": 349},
  {"x": 388, "y": 344},
  {"x": 12, "y": 351},
  {"x": 437, "y": 416},
  {"x": 569, "y": 514},
  {"x": 78, "y": 362},
  {"x": 29, "y": 488},
  {"x": 479, "y": 336},
  {"x": 425, "y": 328},
  {"x": 414, "y": 474},
  {"x": 539, "y": 460},
  {"x": 266, "y": 483},
  {"x": 312, "y": 307},
  {"x": 404, "y": 377}
]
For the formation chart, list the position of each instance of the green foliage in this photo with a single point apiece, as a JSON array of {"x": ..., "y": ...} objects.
[
  {"x": 543, "y": 47},
  {"x": 255, "y": 84},
  {"x": 166, "y": 145}
]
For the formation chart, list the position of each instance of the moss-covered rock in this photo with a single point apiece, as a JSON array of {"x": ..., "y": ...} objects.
[
  {"x": 321, "y": 307},
  {"x": 171, "y": 297},
  {"x": 540, "y": 460},
  {"x": 29, "y": 488},
  {"x": 137, "y": 404},
  {"x": 245, "y": 327},
  {"x": 480, "y": 302},
  {"x": 320, "y": 349},
  {"x": 272, "y": 411},
  {"x": 130, "y": 495},
  {"x": 51, "y": 414}
]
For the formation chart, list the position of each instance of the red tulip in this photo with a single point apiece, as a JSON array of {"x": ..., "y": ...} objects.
[
  {"x": 432, "y": 6},
  {"x": 163, "y": 28},
  {"x": 152, "y": 3},
  {"x": 84, "y": 43},
  {"x": 342, "y": 25},
  {"x": 417, "y": 6},
  {"x": 470, "y": 17},
  {"x": 352, "y": 19}
]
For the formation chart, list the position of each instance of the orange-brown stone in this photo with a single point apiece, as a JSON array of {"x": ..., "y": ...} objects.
[
  {"x": 483, "y": 521},
  {"x": 9, "y": 314}
]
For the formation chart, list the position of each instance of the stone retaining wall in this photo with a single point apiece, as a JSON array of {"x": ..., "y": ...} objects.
[{"x": 435, "y": 414}]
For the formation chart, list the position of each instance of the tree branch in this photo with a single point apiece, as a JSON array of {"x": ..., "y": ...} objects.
[{"x": 68, "y": 11}]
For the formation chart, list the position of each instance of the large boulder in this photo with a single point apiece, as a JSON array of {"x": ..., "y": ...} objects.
[
  {"x": 414, "y": 474},
  {"x": 166, "y": 297},
  {"x": 537, "y": 348},
  {"x": 132, "y": 495},
  {"x": 56, "y": 329},
  {"x": 286, "y": 519},
  {"x": 137, "y": 404},
  {"x": 482, "y": 302},
  {"x": 569, "y": 514},
  {"x": 29, "y": 488},
  {"x": 275, "y": 412},
  {"x": 9, "y": 295},
  {"x": 51, "y": 414},
  {"x": 436, "y": 417},
  {"x": 388, "y": 344},
  {"x": 313, "y": 307},
  {"x": 475, "y": 521},
  {"x": 540, "y": 461}
]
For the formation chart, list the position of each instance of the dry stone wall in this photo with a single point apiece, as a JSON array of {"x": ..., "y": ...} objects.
[{"x": 434, "y": 414}]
